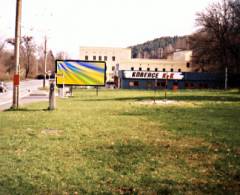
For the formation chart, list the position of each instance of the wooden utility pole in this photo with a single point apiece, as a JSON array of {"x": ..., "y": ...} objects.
[
  {"x": 45, "y": 61},
  {"x": 16, "y": 78}
]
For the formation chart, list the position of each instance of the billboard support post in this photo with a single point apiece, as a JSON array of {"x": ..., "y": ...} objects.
[
  {"x": 97, "y": 90},
  {"x": 63, "y": 89}
]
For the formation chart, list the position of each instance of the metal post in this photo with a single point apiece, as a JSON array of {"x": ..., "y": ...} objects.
[
  {"x": 166, "y": 83},
  {"x": 52, "y": 100},
  {"x": 155, "y": 90},
  {"x": 63, "y": 86},
  {"x": 16, "y": 79},
  {"x": 226, "y": 78},
  {"x": 97, "y": 90},
  {"x": 45, "y": 61}
]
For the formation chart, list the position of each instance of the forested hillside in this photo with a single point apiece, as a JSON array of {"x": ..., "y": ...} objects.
[{"x": 159, "y": 48}]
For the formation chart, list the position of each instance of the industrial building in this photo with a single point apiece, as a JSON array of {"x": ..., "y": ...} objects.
[{"x": 137, "y": 73}]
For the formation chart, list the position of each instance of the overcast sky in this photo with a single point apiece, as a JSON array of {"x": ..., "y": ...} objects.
[{"x": 70, "y": 24}]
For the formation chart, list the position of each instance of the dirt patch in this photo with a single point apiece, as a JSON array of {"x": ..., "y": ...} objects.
[
  {"x": 169, "y": 103},
  {"x": 53, "y": 132}
]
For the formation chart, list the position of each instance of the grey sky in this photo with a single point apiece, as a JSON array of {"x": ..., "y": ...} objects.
[{"x": 70, "y": 24}]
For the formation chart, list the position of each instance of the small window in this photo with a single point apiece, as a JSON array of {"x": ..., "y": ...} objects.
[
  {"x": 113, "y": 68},
  {"x": 140, "y": 68},
  {"x": 148, "y": 69},
  {"x": 133, "y": 83},
  {"x": 156, "y": 69},
  {"x": 113, "y": 58},
  {"x": 179, "y": 70},
  {"x": 163, "y": 84},
  {"x": 105, "y": 58},
  {"x": 132, "y": 68},
  {"x": 94, "y": 58},
  {"x": 86, "y": 57},
  {"x": 149, "y": 84},
  {"x": 99, "y": 58},
  {"x": 172, "y": 70},
  {"x": 188, "y": 64},
  {"x": 163, "y": 69}
]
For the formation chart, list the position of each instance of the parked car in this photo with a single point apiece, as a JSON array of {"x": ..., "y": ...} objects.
[{"x": 3, "y": 87}]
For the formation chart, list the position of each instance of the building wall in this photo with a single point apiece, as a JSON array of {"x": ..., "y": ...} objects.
[
  {"x": 190, "y": 81},
  {"x": 185, "y": 55},
  {"x": 111, "y": 56},
  {"x": 121, "y": 58},
  {"x": 155, "y": 65}
]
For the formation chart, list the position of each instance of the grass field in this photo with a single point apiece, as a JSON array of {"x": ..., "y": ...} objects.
[{"x": 113, "y": 144}]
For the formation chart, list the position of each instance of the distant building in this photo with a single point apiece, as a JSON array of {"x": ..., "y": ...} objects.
[
  {"x": 184, "y": 55},
  {"x": 112, "y": 57},
  {"x": 137, "y": 73},
  {"x": 120, "y": 59}
]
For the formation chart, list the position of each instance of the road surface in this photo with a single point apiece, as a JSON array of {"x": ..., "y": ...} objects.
[{"x": 26, "y": 88}]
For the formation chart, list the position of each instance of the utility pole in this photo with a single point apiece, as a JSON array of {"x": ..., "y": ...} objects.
[
  {"x": 16, "y": 78},
  {"x": 45, "y": 61}
]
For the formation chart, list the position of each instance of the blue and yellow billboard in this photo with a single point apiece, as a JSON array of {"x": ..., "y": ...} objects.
[{"x": 79, "y": 72}]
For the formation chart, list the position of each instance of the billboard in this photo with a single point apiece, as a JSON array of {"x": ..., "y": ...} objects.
[{"x": 79, "y": 72}]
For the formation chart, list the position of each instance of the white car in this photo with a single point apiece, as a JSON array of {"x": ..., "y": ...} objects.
[{"x": 3, "y": 87}]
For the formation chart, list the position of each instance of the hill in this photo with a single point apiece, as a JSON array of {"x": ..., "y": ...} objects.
[{"x": 160, "y": 48}]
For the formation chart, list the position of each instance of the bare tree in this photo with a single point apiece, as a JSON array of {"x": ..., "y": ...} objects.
[
  {"x": 27, "y": 52},
  {"x": 28, "y": 49},
  {"x": 51, "y": 61},
  {"x": 217, "y": 41},
  {"x": 61, "y": 55}
]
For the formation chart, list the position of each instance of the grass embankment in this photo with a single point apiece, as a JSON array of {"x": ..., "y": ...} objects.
[{"x": 111, "y": 143}]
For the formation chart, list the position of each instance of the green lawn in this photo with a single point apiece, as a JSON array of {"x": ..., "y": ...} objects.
[{"x": 114, "y": 144}]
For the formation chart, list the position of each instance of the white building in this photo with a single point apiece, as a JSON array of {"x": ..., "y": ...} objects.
[{"x": 121, "y": 58}]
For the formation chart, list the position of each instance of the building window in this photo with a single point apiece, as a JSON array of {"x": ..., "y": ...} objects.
[
  {"x": 94, "y": 58},
  {"x": 113, "y": 68},
  {"x": 133, "y": 83},
  {"x": 148, "y": 69},
  {"x": 179, "y": 70},
  {"x": 163, "y": 84},
  {"x": 132, "y": 68},
  {"x": 163, "y": 69},
  {"x": 86, "y": 57},
  {"x": 150, "y": 84},
  {"x": 99, "y": 58},
  {"x": 172, "y": 70},
  {"x": 140, "y": 68},
  {"x": 105, "y": 58},
  {"x": 113, "y": 58},
  {"x": 156, "y": 69},
  {"x": 188, "y": 65},
  {"x": 158, "y": 84}
]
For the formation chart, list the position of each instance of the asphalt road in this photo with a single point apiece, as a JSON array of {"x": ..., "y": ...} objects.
[{"x": 29, "y": 92}]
